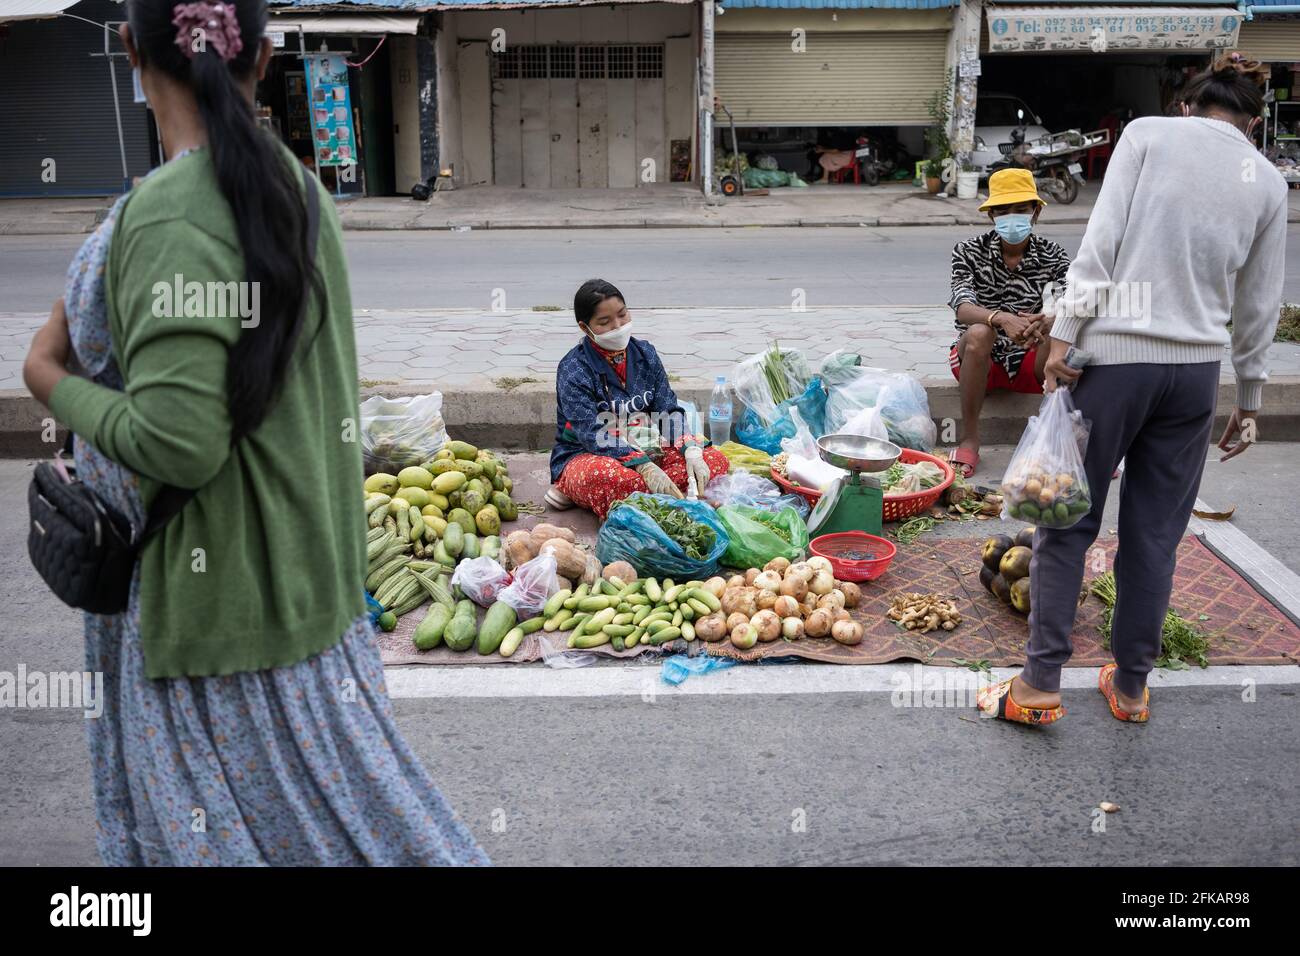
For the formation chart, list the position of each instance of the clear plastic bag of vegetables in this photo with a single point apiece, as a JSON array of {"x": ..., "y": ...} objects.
[
  {"x": 900, "y": 399},
  {"x": 662, "y": 536},
  {"x": 481, "y": 579},
  {"x": 532, "y": 585},
  {"x": 810, "y": 404},
  {"x": 397, "y": 433},
  {"x": 763, "y": 381},
  {"x": 757, "y": 535},
  {"x": 1045, "y": 483}
]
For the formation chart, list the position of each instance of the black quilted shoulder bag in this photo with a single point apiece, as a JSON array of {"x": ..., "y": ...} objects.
[{"x": 85, "y": 549}]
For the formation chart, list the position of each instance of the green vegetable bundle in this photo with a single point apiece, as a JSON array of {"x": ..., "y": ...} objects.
[{"x": 695, "y": 538}]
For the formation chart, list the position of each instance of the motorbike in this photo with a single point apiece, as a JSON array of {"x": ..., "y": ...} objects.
[{"x": 1054, "y": 159}]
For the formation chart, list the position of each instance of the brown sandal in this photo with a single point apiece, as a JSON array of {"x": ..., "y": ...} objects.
[
  {"x": 995, "y": 700},
  {"x": 1106, "y": 684}
]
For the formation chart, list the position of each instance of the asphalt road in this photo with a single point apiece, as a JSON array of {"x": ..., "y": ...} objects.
[
  {"x": 760, "y": 777},
  {"x": 653, "y": 267}
]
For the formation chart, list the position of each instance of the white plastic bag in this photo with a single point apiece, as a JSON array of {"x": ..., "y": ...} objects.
[
  {"x": 534, "y": 582},
  {"x": 805, "y": 466},
  {"x": 1045, "y": 483},
  {"x": 399, "y": 432},
  {"x": 900, "y": 400},
  {"x": 866, "y": 423},
  {"x": 481, "y": 579}
]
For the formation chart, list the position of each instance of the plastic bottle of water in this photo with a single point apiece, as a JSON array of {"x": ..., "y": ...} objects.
[{"x": 720, "y": 412}]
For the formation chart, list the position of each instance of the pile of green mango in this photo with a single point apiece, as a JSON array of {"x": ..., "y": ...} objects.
[{"x": 460, "y": 485}]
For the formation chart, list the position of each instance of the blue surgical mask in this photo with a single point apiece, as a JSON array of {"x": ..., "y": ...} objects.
[{"x": 1014, "y": 227}]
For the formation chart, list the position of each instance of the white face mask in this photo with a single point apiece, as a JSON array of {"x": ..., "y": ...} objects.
[{"x": 614, "y": 340}]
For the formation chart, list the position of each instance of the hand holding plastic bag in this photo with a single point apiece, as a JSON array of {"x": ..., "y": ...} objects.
[
  {"x": 534, "y": 582},
  {"x": 1045, "y": 483},
  {"x": 481, "y": 579}
]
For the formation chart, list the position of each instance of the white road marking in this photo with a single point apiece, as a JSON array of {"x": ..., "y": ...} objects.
[
  {"x": 635, "y": 680},
  {"x": 1277, "y": 580}
]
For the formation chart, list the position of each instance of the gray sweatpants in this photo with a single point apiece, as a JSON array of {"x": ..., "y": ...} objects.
[{"x": 1158, "y": 419}]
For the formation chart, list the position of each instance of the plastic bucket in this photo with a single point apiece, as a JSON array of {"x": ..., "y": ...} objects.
[{"x": 968, "y": 185}]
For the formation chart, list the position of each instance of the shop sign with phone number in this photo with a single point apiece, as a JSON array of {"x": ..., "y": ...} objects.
[{"x": 1104, "y": 31}]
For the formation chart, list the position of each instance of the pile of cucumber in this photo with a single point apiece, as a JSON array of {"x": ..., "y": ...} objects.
[
  {"x": 645, "y": 611},
  {"x": 453, "y": 623}
]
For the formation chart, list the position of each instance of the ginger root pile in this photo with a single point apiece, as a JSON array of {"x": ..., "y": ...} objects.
[{"x": 925, "y": 612}]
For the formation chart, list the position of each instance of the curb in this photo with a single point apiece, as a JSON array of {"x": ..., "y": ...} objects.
[
  {"x": 523, "y": 418},
  {"x": 376, "y": 225}
]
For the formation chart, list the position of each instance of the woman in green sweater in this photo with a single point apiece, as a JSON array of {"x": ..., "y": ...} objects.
[{"x": 246, "y": 694}]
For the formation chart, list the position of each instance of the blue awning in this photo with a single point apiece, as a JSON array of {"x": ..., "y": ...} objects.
[
  {"x": 840, "y": 4},
  {"x": 344, "y": 7}
]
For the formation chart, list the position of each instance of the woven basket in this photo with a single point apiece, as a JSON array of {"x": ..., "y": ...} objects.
[{"x": 897, "y": 507}]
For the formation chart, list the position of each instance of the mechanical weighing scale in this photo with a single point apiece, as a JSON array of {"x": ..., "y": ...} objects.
[{"x": 855, "y": 502}]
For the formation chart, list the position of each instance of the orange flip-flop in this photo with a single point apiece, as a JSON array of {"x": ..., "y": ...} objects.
[
  {"x": 995, "y": 700},
  {"x": 1106, "y": 684}
]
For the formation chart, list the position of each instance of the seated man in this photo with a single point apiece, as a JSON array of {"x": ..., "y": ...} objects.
[{"x": 998, "y": 284}]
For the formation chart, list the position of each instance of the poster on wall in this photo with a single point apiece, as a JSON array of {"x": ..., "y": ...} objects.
[
  {"x": 330, "y": 108},
  {"x": 1111, "y": 29}
]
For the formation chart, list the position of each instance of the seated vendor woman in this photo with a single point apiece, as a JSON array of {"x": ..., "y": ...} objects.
[
  {"x": 999, "y": 280},
  {"x": 619, "y": 427}
]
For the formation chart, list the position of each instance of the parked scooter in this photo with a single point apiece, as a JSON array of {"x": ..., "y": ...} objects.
[{"x": 1054, "y": 160}]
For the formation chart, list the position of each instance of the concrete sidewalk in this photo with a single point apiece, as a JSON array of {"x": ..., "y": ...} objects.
[
  {"x": 496, "y": 370},
  {"x": 676, "y": 205}
]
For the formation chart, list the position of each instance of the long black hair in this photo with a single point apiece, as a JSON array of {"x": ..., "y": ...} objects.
[
  {"x": 260, "y": 186},
  {"x": 1233, "y": 83},
  {"x": 591, "y": 294}
]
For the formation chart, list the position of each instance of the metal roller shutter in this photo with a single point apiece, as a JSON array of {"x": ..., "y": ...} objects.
[
  {"x": 59, "y": 106},
  {"x": 1272, "y": 41},
  {"x": 841, "y": 79}
]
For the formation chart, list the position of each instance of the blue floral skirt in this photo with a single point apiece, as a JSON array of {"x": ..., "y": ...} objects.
[{"x": 293, "y": 766}]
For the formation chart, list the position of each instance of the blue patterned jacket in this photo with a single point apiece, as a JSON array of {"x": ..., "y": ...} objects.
[{"x": 590, "y": 402}]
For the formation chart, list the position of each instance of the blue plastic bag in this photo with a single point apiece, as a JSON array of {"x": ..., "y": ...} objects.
[
  {"x": 752, "y": 431},
  {"x": 631, "y": 535},
  {"x": 679, "y": 667},
  {"x": 374, "y": 609}
]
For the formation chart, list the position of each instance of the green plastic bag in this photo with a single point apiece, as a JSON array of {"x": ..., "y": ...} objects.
[{"x": 754, "y": 539}]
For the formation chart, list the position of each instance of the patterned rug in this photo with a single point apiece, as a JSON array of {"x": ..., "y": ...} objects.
[{"x": 1242, "y": 625}]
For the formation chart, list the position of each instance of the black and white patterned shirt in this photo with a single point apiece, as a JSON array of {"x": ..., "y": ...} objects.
[{"x": 980, "y": 276}]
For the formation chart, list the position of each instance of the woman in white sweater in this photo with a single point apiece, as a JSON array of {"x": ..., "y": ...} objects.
[{"x": 1188, "y": 234}]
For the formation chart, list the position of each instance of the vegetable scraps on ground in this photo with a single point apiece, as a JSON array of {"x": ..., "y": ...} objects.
[{"x": 1180, "y": 640}]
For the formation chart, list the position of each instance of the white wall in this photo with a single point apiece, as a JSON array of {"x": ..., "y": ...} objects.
[
  {"x": 449, "y": 135},
  {"x": 406, "y": 113}
]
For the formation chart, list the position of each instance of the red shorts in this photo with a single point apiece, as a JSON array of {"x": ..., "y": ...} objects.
[{"x": 1025, "y": 380}]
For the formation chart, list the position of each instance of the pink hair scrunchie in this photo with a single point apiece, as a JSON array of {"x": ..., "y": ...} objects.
[{"x": 216, "y": 24}]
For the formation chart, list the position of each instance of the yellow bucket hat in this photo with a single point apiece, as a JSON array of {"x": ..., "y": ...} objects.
[{"x": 1009, "y": 187}]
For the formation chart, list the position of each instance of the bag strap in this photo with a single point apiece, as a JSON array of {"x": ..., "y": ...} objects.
[{"x": 169, "y": 501}]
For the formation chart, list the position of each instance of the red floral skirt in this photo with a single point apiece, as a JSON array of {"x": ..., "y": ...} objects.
[{"x": 596, "y": 482}]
